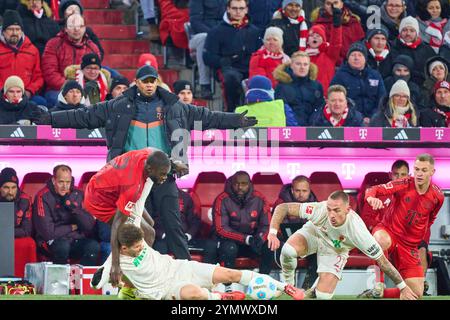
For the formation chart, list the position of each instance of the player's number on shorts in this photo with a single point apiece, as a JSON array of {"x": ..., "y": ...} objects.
[{"x": 340, "y": 262}]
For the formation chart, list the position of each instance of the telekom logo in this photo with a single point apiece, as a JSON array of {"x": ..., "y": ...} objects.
[
  {"x": 56, "y": 133},
  {"x": 293, "y": 169},
  {"x": 348, "y": 169},
  {"x": 439, "y": 133},
  {"x": 363, "y": 134},
  {"x": 286, "y": 133}
]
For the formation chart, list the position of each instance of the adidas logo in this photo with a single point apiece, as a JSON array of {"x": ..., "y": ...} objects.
[
  {"x": 325, "y": 135},
  {"x": 401, "y": 136},
  {"x": 95, "y": 134},
  {"x": 249, "y": 134},
  {"x": 18, "y": 133}
]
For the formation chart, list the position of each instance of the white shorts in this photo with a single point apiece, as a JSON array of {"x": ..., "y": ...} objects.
[
  {"x": 328, "y": 260},
  {"x": 190, "y": 272}
]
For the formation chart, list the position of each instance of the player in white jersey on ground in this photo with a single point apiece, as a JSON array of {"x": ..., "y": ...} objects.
[
  {"x": 160, "y": 277},
  {"x": 332, "y": 231}
]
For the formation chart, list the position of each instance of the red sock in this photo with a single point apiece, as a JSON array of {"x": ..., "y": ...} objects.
[{"x": 391, "y": 293}]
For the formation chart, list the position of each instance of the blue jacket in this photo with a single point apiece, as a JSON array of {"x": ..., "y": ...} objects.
[
  {"x": 354, "y": 118},
  {"x": 206, "y": 14},
  {"x": 261, "y": 12},
  {"x": 227, "y": 46},
  {"x": 365, "y": 88},
  {"x": 303, "y": 95}
]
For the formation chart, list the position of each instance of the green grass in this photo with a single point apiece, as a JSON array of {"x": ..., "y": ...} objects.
[{"x": 98, "y": 297}]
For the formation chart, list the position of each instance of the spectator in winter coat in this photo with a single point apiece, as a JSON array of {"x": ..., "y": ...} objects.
[
  {"x": 261, "y": 12},
  {"x": 392, "y": 13},
  {"x": 15, "y": 108},
  {"x": 241, "y": 219},
  {"x": 298, "y": 87},
  {"x": 439, "y": 114},
  {"x": 191, "y": 223},
  {"x": 174, "y": 14},
  {"x": 71, "y": 97},
  {"x": 435, "y": 23},
  {"x": 264, "y": 61},
  {"x": 183, "y": 89},
  {"x": 67, "y": 48},
  {"x": 18, "y": 56},
  {"x": 436, "y": 69},
  {"x": 338, "y": 112},
  {"x": 94, "y": 80},
  {"x": 397, "y": 111},
  {"x": 229, "y": 47},
  {"x": 410, "y": 43},
  {"x": 69, "y": 7},
  {"x": 24, "y": 245},
  {"x": 260, "y": 104},
  {"x": 38, "y": 24},
  {"x": 203, "y": 16},
  {"x": 379, "y": 54},
  {"x": 290, "y": 18},
  {"x": 63, "y": 227},
  {"x": 323, "y": 54},
  {"x": 364, "y": 85},
  {"x": 401, "y": 69},
  {"x": 444, "y": 51},
  {"x": 118, "y": 85},
  {"x": 351, "y": 25}
]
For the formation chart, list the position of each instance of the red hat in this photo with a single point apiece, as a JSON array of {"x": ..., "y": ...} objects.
[
  {"x": 441, "y": 84},
  {"x": 148, "y": 59},
  {"x": 320, "y": 30}
]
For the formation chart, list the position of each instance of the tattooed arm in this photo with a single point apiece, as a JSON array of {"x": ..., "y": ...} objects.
[{"x": 280, "y": 212}]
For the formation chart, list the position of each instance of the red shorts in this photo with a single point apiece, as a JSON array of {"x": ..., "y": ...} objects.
[
  {"x": 98, "y": 208},
  {"x": 405, "y": 258}
]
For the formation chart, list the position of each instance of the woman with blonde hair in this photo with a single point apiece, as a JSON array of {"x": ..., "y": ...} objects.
[{"x": 397, "y": 111}]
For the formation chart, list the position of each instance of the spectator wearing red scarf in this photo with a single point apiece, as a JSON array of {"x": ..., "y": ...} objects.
[
  {"x": 264, "y": 61},
  {"x": 379, "y": 54}
]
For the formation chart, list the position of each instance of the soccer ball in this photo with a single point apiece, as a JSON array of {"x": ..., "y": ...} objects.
[{"x": 261, "y": 287}]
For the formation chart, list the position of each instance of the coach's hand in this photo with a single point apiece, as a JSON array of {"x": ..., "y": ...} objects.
[
  {"x": 407, "y": 294},
  {"x": 375, "y": 203},
  {"x": 115, "y": 275},
  {"x": 272, "y": 242}
]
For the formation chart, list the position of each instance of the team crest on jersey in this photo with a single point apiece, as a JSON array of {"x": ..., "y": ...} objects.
[
  {"x": 309, "y": 209},
  {"x": 129, "y": 207},
  {"x": 254, "y": 214},
  {"x": 341, "y": 238},
  {"x": 407, "y": 199},
  {"x": 160, "y": 113},
  {"x": 233, "y": 214}
]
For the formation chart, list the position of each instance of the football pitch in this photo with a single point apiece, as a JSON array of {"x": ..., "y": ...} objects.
[{"x": 113, "y": 297}]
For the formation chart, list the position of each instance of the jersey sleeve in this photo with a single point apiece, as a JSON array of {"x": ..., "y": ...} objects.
[
  {"x": 364, "y": 241},
  {"x": 313, "y": 211},
  {"x": 387, "y": 189}
]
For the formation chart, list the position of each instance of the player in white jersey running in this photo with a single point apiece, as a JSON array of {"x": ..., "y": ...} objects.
[
  {"x": 160, "y": 277},
  {"x": 332, "y": 231}
]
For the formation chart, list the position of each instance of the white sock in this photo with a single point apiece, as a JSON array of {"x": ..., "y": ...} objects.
[
  {"x": 246, "y": 276},
  {"x": 212, "y": 295},
  {"x": 288, "y": 263}
]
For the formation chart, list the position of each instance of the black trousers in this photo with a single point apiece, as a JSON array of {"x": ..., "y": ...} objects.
[
  {"x": 229, "y": 250},
  {"x": 164, "y": 200},
  {"x": 87, "y": 250},
  {"x": 208, "y": 248}
]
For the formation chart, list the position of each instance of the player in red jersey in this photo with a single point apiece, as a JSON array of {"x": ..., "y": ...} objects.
[
  {"x": 415, "y": 204},
  {"x": 117, "y": 194}
]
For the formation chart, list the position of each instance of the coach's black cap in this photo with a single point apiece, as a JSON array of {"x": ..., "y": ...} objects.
[{"x": 145, "y": 72}]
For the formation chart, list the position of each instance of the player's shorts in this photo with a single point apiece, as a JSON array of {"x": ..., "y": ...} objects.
[
  {"x": 189, "y": 272},
  {"x": 328, "y": 260},
  {"x": 404, "y": 258},
  {"x": 98, "y": 209}
]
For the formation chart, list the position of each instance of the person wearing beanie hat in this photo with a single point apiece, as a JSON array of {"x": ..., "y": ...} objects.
[
  {"x": 260, "y": 103},
  {"x": 323, "y": 54},
  {"x": 11, "y": 18},
  {"x": 439, "y": 114},
  {"x": 435, "y": 70},
  {"x": 290, "y": 18},
  {"x": 24, "y": 245},
  {"x": 364, "y": 85},
  {"x": 118, "y": 86},
  {"x": 379, "y": 57},
  {"x": 14, "y": 82},
  {"x": 69, "y": 7},
  {"x": 94, "y": 79},
  {"x": 397, "y": 110},
  {"x": 71, "y": 97},
  {"x": 264, "y": 61},
  {"x": 183, "y": 89}
]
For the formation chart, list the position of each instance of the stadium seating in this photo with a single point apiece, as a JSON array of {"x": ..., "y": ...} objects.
[
  {"x": 323, "y": 183},
  {"x": 84, "y": 180},
  {"x": 371, "y": 179},
  {"x": 269, "y": 184},
  {"x": 32, "y": 182}
]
